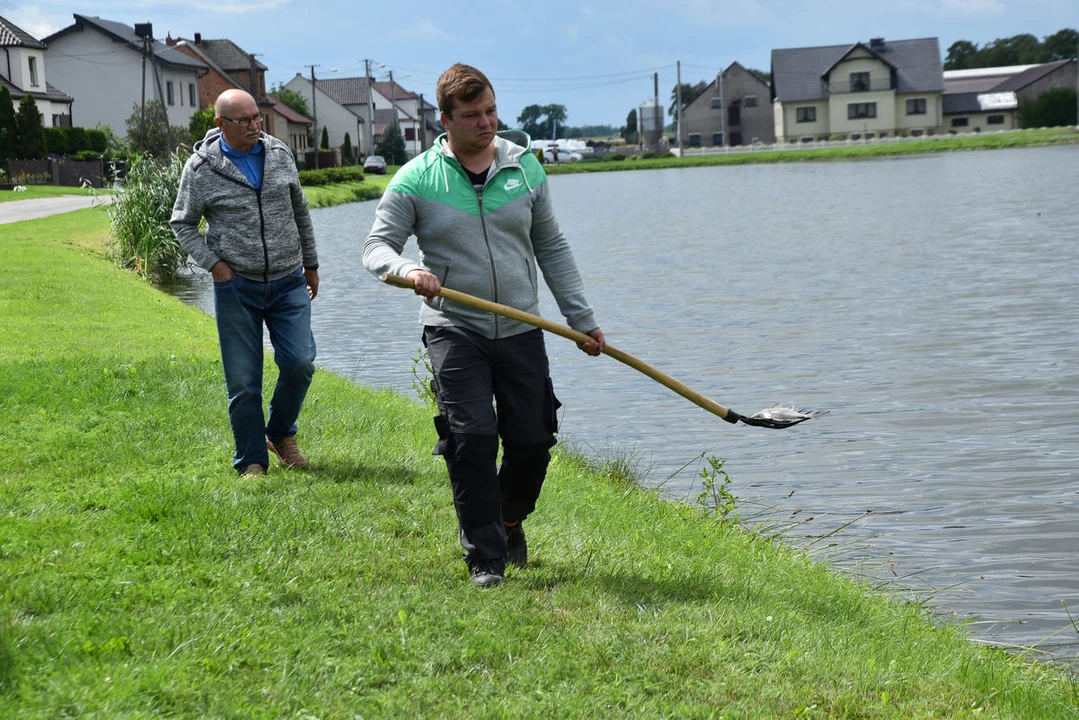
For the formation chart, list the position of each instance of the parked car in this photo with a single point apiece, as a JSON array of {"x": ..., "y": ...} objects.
[{"x": 375, "y": 164}]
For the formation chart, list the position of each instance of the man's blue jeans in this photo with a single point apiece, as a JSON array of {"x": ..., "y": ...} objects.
[{"x": 242, "y": 306}]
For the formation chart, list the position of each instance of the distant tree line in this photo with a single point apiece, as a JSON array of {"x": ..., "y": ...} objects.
[{"x": 1024, "y": 49}]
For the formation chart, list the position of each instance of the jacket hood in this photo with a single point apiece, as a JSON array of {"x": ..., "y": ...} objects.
[{"x": 510, "y": 145}]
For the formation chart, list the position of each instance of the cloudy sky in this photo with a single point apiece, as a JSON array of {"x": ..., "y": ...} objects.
[{"x": 596, "y": 57}]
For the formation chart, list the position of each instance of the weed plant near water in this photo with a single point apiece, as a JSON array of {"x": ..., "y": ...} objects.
[
  {"x": 143, "y": 241},
  {"x": 143, "y": 578}
]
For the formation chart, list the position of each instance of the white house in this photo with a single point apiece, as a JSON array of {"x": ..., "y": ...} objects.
[
  {"x": 100, "y": 63},
  {"x": 24, "y": 74},
  {"x": 328, "y": 113}
]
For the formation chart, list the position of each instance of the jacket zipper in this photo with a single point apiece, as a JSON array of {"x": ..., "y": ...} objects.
[{"x": 262, "y": 234}]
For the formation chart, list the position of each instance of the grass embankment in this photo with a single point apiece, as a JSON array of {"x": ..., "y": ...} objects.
[
  {"x": 340, "y": 193},
  {"x": 43, "y": 191},
  {"x": 974, "y": 141},
  {"x": 143, "y": 578}
]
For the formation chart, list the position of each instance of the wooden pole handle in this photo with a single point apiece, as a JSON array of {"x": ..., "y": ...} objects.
[{"x": 569, "y": 333}]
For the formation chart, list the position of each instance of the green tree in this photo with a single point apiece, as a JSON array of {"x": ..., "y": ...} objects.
[
  {"x": 690, "y": 92},
  {"x": 31, "y": 130},
  {"x": 392, "y": 146},
  {"x": 325, "y": 144},
  {"x": 961, "y": 54},
  {"x": 1024, "y": 49},
  {"x": 629, "y": 132},
  {"x": 1055, "y": 108},
  {"x": 155, "y": 139},
  {"x": 56, "y": 141},
  {"x": 1060, "y": 45},
  {"x": 531, "y": 120},
  {"x": 201, "y": 122},
  {"x": 292, "y": 99},
  {"x": 9, "y": 128},
  {"x": 347, "y": 156}
]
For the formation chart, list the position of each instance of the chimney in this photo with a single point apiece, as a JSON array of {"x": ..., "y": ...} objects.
[
  {"x": 876, "y": 43},
  {"x": 198, "y": 38}
]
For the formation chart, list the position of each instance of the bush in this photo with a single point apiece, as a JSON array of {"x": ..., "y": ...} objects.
[
  {"x": 1055, "y": 108},
  {"x": 78, "y": 139},
  {"x": 85, "y": 155},
  {"x": 142, "y": 239},
  {"x": 615, "y": 157},
  {"x": 99, "y": 140},
  {"x": 56, "y": 141},
  {"x": 313, "y": 178}
]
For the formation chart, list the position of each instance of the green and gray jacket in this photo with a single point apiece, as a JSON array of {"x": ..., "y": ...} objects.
[
  {"x": 263, "y": 234},
  {"x": 488, "y": 245}
]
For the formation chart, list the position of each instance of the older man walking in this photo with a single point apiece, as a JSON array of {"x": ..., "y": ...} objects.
[{"x": 260, "y": 248}]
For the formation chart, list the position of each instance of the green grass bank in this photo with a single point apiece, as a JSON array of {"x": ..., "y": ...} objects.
[
  {"x": 142, "y": 578},
  {"x": 973, "y": 141}
]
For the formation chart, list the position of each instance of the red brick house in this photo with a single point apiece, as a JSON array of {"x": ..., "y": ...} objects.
[{"x": 229, "y": 67}]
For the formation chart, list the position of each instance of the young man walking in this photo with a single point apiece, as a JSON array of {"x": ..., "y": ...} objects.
[
  {"x": 479, "y": 205},
  {"x": 260, "y": 248}
]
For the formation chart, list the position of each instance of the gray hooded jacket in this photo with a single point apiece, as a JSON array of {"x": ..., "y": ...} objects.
[{"x": 263, "y": 234}]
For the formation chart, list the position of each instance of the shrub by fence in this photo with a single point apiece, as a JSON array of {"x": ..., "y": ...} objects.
[{"x": 329, "y": 176}]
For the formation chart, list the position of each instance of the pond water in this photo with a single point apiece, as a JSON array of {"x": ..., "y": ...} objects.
[{"x": 931, "y": 304}]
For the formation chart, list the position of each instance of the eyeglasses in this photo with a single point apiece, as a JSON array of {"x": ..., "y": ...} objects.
[{"x": 255, "y": 119}]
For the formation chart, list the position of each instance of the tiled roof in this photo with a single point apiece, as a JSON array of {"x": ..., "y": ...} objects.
[
  {"x": 798, "y": 73},
  {"x": 226, "y": 54},
  {"x": 51, "y": 92},
  {"x": 972, "y": 102},
  {"x": 1030, "y": 75},
  {"x": 393, "y": 91},
  {"x": 11, "y": 35},
  {"x": 288, "y": 113},
  {"x": 345, "y": 91},
  {"x": 126, "y": 34}
]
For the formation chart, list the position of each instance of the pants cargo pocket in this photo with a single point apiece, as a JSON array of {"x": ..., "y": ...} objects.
[
  {"x": 550, "y": 411},
  {"x": 444, "y": 444}
]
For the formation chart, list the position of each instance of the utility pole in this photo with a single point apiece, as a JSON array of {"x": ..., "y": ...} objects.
[
  {"x": 678, "y": 126},
  {"x": 423, "y": 124},
  {"x": 722, "y": 110},
  {"x": 314, "y": 111},
  {"x": 370, "y": 105},
  {"x": 657, "y": 115},
  {"x": 142, "y": 112}
]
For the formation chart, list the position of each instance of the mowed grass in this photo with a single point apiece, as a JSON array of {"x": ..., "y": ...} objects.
[
  {"x": 143, "y": 578},
  {"x": 40, "y": 191},
  {"x": 970, "y": 141},
  {"x": 371, "y": 188}
]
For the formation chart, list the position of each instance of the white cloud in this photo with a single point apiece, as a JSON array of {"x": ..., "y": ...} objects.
[
  {"x": 955, "y": 8},
  {"x": 422, "y": 32}
]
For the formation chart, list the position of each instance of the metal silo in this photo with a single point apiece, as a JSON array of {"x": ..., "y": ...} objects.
[{"x": 650, "y": 121}]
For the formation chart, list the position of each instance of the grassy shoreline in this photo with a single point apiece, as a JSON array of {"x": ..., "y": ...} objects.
[
  {"x": 854, "y": 151},
  {"x": 143, "y": 578}
]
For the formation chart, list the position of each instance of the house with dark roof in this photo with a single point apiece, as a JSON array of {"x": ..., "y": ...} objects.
[
  {"x": 100, "y": 62},
  {"x": 329, "y": 113},
  {"x": 735, "y": 109},
  {"x": 378, "y": 104},
  {"x": 865, "y": 90},
  {"x": 230, "y": 67},
  {"x": 24, "y": 74},
  {"x": 291, "y": 127},
  {"x": 989, "y": 98}
]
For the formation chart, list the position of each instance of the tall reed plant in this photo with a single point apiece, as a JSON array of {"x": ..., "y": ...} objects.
[{"x": 142, "y": 239}]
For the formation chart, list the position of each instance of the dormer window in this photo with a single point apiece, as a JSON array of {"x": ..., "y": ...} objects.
[
  {"x": 33, "y": 71},
  {"x": 859, "y": 82}
]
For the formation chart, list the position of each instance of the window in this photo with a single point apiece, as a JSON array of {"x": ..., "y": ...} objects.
[
  {"x": 717, "y": 138},
  {"x": 191, "y": 94},
  {"x": 916, "y": 106},
  {"x": 806, "y": 114},
  {"x": 960, "y": 122},
  {"x": 33, "y": 71},
  {"x": 994, "y": 120},
  {"x": 410, "y": 134},
  {"x": 169, "y": 93},
  {"x": 751, "y": 101},
  {"x": 859, "y": 82},
  {"x": 716, "y": 103},
  {"x": 695, "y": 139},
  {"x": 857, "y": 111},
  {"x": 917, "y": 132}
]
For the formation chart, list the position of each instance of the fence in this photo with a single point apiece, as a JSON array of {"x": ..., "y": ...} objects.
[{"x": 57, "y": 171}]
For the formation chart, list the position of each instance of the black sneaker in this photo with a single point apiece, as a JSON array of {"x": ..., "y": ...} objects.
[
  {"x": 486, "y": 573},
  {"x": 516, "y": 546}
]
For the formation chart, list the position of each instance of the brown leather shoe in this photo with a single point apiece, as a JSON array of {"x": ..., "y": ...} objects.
[
  {"x": 288, "y": 452},
  {"x": 253, "y": 470}
]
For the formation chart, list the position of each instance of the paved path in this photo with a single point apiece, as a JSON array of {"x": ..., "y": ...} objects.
[{"x": 16, "y": 210}]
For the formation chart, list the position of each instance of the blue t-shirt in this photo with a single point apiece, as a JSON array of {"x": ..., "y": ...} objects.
[{"x": 250, "y": 163}]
